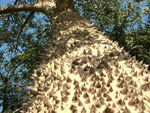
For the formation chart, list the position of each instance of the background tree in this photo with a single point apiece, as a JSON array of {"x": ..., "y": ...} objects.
[
  {"x": 122, "y": 21},
  {"x": 19, "y": 55}
]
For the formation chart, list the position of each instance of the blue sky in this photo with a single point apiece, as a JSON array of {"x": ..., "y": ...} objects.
[{"x": 4, "y": 2}]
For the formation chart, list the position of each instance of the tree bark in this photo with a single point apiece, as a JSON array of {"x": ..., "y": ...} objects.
[{"x": 85, "y": 72}]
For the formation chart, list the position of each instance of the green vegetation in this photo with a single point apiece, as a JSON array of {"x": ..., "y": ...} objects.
[{"x": 122, "y": 22}]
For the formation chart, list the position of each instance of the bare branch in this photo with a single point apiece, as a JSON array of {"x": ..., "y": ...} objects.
[
  {"x": 18, "y": 8},
  {"x": 32, "y": 13},
  {"x": 6, "y": 51},
  {"x": 12, "y": 71},
  {"x": 39, "y": 7},
  {"x": 15, "y": 2}
]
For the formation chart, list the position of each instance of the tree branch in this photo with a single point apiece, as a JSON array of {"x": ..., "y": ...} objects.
[
  {"x": 15, "y": 2},
  {"x": 39, "y": 7},
  {"x": 19, "y": 8},
  {"x": 32, "y": 13}
]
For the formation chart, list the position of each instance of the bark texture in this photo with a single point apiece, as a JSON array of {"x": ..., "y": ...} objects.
[{"x": 83, "y": 71}]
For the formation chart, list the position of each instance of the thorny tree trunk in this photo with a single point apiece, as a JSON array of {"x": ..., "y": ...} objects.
[{"x": 83, "y": 71}]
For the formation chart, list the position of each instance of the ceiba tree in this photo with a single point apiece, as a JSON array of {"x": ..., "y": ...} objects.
[{"x": 82, "y": 71}]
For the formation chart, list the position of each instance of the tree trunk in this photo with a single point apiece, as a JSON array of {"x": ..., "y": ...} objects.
[{"x": 85, "y": 72}]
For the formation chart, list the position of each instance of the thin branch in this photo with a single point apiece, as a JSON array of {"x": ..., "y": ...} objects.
[
  {"x": 1, "y": 75},
  {"x": 19, "y": 8},
  {"x": 18, "y": 49},
  {"x": 15, "y": 2},
  {"x": 31, "y": 14},
  {"x": 11, "y": 72},
  {"x": 1, "y": 103},
  {"x": 5, "y": 51}
]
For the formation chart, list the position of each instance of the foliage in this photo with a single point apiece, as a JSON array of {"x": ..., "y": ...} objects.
[
  {"x": 18, "y": 61},
  {"x": 138, "y": 43},
  {"x": 122, "y": 21}
]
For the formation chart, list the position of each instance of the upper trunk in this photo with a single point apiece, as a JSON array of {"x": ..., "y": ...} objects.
[
  {"x": 63, "y": 5},
  {"x": 84, "y": 72}
]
